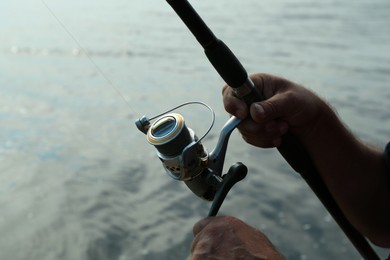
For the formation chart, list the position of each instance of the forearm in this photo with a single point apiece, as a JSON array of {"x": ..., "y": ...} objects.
[{"x": 354, "y": 174}]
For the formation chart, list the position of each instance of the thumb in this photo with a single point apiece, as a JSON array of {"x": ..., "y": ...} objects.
[{"x": 275, "y": 107}]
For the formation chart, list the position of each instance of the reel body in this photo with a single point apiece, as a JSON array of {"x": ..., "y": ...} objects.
[{"x": 183, "y": 155}]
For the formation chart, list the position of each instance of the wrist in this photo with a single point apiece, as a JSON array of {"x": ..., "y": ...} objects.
[{"x": 323, "y": 123}]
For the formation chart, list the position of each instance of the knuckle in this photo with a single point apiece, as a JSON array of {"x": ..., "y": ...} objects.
[
  {"x": 230, "y": 107},
  {"x": 270, "y": 107},
  {"x": 292, "y": 97},
  {"x": 224, "y": 89}
]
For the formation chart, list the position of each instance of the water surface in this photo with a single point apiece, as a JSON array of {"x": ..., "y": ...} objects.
[{"x": 78, "y": 181}]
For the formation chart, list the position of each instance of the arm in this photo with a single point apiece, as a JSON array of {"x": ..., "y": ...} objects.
[
  {"x": 355, "y": 175},
  {"x": 354, "y": 172}
]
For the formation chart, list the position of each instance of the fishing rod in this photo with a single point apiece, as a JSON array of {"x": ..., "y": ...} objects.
[{"x": 184, "y": 157}]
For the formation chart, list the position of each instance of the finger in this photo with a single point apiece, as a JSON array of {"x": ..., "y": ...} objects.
[
  {"x": 276, "y": 127},
  {"x": 233, "y": 105},
  {"x": 264, "y": 142},
  {"x": 263, "y": 135},
  {"x": 250, "y": 127},
  {"x": 201, "y": 224},
  {"x": 268, "y": 84},
  {"x": 273, "y": 127},
  {"x": 279, "y": 106}
]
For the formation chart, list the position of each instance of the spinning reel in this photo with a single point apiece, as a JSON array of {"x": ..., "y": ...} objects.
[{"x": 186, "y": 159}]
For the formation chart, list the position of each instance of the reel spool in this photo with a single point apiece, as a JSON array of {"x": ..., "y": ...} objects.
[{"x": 171, "y": 137}]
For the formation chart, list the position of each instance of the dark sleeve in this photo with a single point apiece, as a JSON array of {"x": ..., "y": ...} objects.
[{"x": 387, "y": 161}]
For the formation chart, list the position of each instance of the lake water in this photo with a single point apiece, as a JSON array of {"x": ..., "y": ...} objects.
[{"x": 79, "y": 181}]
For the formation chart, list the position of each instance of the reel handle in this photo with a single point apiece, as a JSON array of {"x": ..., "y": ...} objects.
[{"x": 236, "y": 173}]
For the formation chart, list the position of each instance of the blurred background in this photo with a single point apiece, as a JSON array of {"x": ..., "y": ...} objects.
[{"x": 79, "y": 181}]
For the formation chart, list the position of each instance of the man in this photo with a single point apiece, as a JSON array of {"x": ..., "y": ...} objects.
[{"x": 356, "y": 174}]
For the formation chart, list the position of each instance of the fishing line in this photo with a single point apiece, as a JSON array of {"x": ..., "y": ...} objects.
[{"x": 97, "y": 68}]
